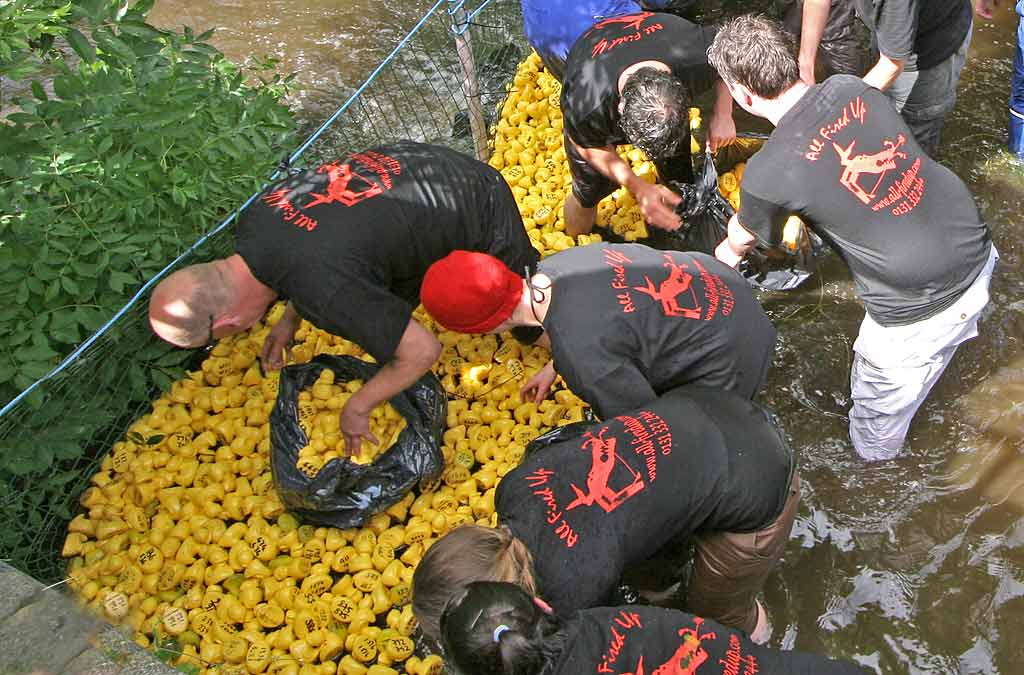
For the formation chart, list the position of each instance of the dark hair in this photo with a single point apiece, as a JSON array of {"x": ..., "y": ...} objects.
[
  {"x": 496, "y": 628},
  {"x": 756, "y": 52},
  {"x": 655, "y": 112},
  {"x": 466, "y": 554}
]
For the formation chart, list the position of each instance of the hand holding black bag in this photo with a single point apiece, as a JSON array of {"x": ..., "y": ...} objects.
[
  {"x": 706, "y": 214},
  {"x": 344, "y": 494}
]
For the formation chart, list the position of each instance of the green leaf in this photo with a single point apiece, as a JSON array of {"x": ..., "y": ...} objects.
[
  {"x": 43, "y": 271},
  {"x": 104, "y": 145},
  {"x": 111, "y": 44},
  {"x": 81, "y": 45},
  {"x": 65, "y": 331},
  {"x": 36, "y": 352},
  {"x": 118, "y": 281},
  {"x": 38, "y": 91},
  {"x": 139, "y": 30},
  {"x": 19, "y": 337},
  {"x": 69, "y": 285},
  {"x": 174, "y": 357},
  {"x": 65, "y": 449},
  {"x": 65, "y": 88},
  {"x": 34, "y": 370},
  {"x": 162, "y": 381},
  {"x": 84, "y": 269},
  {"x": 165, "y": 648},
  {"x": 21, "y": 465},
  {"x": 21, "y": 295},
  {"x": 52, "y": 291},
  {"x": 143, "y": 7}
]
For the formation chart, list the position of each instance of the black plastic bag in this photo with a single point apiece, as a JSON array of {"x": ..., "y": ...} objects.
[
  {"x": 345, "y": 494},
  {"x": 706, "y": 214},
  {"x": 560, "y": 434}
]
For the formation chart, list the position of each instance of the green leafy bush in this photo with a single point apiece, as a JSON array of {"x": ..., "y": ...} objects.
[
  {"x": 137, "y": 142},
  {"x": 148, "y": 141},
  {"x": 27, "y": 31}
]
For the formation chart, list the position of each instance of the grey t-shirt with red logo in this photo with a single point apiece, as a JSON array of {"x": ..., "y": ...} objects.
[
  {"x": 845, "y": 161},
  {"x": 628, "y": 322}
]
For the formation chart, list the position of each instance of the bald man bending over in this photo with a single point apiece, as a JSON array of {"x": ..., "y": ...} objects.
[{"x": 348, "y": 244}]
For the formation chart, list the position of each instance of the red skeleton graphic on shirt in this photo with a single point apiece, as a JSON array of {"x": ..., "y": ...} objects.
[
  {"x": 879, "y": 163},
  {"x": 631, "y": 22},
  {"x": 679, "y": 281},
  {"x": 687, "y": 658},
  {"x": 603, "y": 459},
  {"x": 338, "y": 179}
]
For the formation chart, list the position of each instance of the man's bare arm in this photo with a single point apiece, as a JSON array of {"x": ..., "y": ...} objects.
[
  {"x": 884, "y": 73},
  {"x": 812, "y": 27},
  {"x": 722, "y": 130},
  {"x": 736, "y": 245},
  {"x": 656, "y": 201},
  {"x": 417, "y": 351}
]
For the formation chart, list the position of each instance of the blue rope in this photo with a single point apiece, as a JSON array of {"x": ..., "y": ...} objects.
[
  {"x": 463, "y": 26},
  {"x": 70, "y": 358}
]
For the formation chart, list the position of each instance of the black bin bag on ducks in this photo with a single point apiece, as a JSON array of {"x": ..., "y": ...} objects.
[{"x": 345, "y": 494}]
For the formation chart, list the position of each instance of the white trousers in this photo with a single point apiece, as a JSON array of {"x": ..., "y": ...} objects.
[{"x": 894, "y": 367}]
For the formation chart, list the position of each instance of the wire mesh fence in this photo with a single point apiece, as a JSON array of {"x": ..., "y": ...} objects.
[
  {"x": 419, "y": 93},
  {"x": 57, "y": 432}
]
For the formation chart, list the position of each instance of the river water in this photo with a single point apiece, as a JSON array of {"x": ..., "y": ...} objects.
[{"x": 910, "y": 566}]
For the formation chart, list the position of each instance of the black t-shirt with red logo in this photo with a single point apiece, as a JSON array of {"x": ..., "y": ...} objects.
[
  {"x": 696, "y": 460},
  {"x": 638, "y": 640},
  {"x": 921, "y": 33},
  {"x": 590, "y": 89},
  {"x": 349, "y": 242},
  {"x": 628, "y": 322},
  {"x": 846, "y": 162}
]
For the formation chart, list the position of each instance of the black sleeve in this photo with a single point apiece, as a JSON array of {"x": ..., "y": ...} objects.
[
  {"x": 762, "y": 217},
  {"x": 612, "y": 388},
  {"x": 368, "y": 314},
  {"x": 699, "y": 79},
  {"x": 896, "y": 28},
  {"x": 589, "y": 132}
]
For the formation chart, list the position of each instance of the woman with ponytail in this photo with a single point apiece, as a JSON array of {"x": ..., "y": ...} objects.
[
  {"x": 590, "y": 504},
  {"x": 495, "y": 628}
]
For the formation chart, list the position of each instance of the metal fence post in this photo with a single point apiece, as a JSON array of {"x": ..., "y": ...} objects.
[{"x": 470, "y": 85}]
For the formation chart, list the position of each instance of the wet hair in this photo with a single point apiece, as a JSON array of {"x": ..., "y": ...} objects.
[
  {"x": 655, "y": 112},
  {"x": 756, "y": 52},
  {"x": 496, "y": 628},
  {"x": 464, "y": 555}
]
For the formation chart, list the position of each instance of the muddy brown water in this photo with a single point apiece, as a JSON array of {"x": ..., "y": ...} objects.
[{"x": 910, "y": 566}]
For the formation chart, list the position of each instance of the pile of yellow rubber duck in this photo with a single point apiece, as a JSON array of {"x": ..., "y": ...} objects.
[
  {"x": 183, "y": 540},
  {"x": 319, "y": 411}
]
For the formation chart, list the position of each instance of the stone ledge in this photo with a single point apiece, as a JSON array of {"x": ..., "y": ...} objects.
[{"x": 43, "y": 631}]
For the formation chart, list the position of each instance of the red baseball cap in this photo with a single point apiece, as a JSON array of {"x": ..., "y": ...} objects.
[{"x": 470, "y": 292}]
